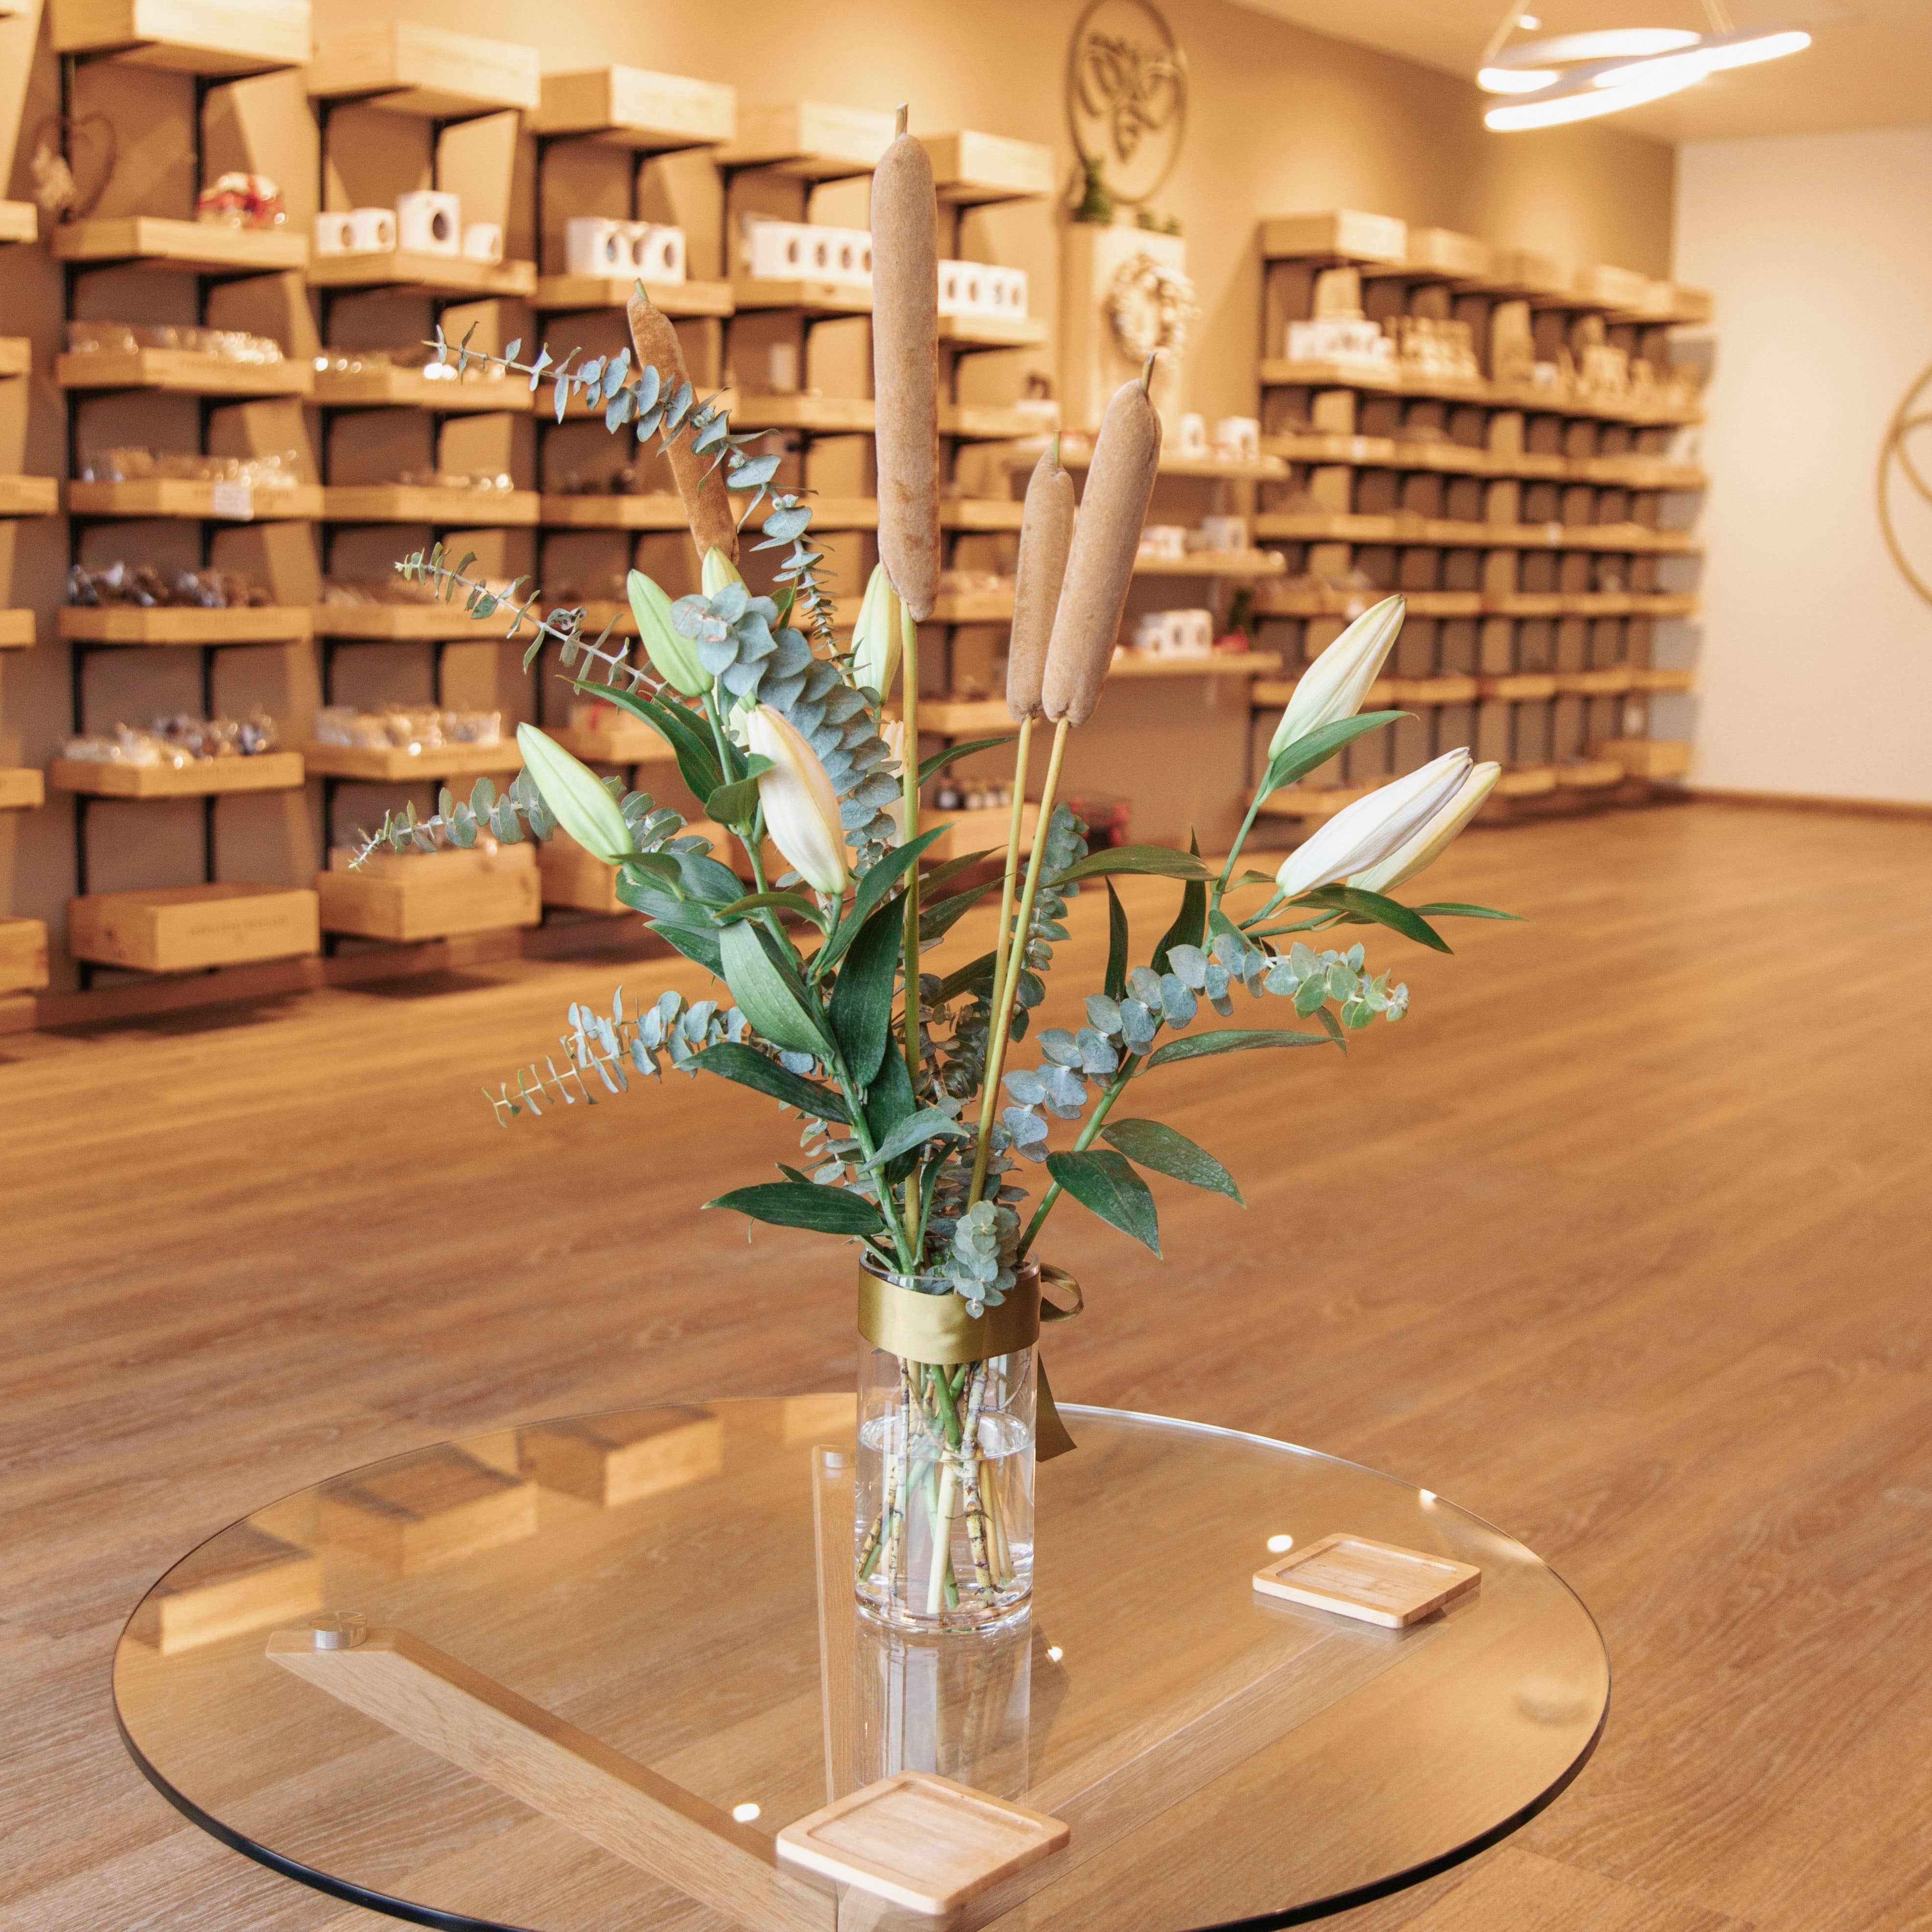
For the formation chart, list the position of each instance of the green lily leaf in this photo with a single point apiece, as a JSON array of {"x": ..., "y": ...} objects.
[
  {"x": 1160, "y": 861},
  {"x": 1106, "y": 1185},
  {"x": 940, "y": 760},
  {"x": 1148, "y": 1143},
  {"x": 763, "y": 992},
  {"x": 1190, "y": 923},
  {"x": 1361, "y": 907},
  {"x": 873, "y": 888},
  {"x": 956, "y": 982},
  {"x": 697, "y": 756},
  {"x": 915, "y": 1130},
  {"x": 750, "y": 1068},
  {"x": 936, "y": 921},
  {"x": 1296, "y": 760},
  {"x": 1450, "y": 910},
  {"x": 861, "y": 1010},
  {"x": 801, "y": 903},
  {"x": 1232, "y": 1039},
  {"x": 1116, "y": 981},
  {"x": 736, "y": 804},
  {"x": 785, "y": 1204}
]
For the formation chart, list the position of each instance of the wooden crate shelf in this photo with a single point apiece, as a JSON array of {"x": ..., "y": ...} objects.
[
  {"x": 129, "y": 624},
  {"x": 1209, "y": 663},
  {"x": 178, "y": 497},
  {"x": 221, "y": 39},
  {"x": 988, "y": 422},
  {"x": 990, "y": 331},
  {"x": 404, "y": 897},
  {"x": 153, "y": 241},
  {"x": 986, "y": 829},
  {"x": 23, "y": 955},
  {"x": 393, "y": 764},
  {"x": 17, "y": 630},
  {"x": 809, "y": 298},
  {"x": 567, "y": 875},
  {"x": 1385, "y": 693},
  {"x": 822, "y": 416},
  {"x": 1276, "y": 601},
  {"x": 1653, "y": 678},
  {"x": 1231, "y": 563},
  {"x": 1627, "y": 469},
  {"x": 1265, "y": 469},
  {"x": 206, "y": 777},
  {"x": 20, "y": 221},
  {"x": 964, "y": 717},
  {"x": 389, "y": 389},
  {"x": 1335, "y": 235},
  {"x": 405, "y": 623},
  {"x": 1279, "y": 601},
  {"x": 1449, "y": 533},
  {"x": 451, "y": 508},
  {"x": 1316, "y": 802},
  {"x": 22, "y": 788},
  {"x": 973, "y": 607},
  {"x": 1646, "y": 758},
  {"x": 428, "y": 274},
  {"x": 427, "y": 72},
  {"x": 182, "y": 372},
  {"x": 979, "y": 513},
  {"x": 809, "y": 140},
  {"x": 632, "y": 107},
  {"x": 678, "y": 300},
  {"x": 28, "y": 496},
  {"x": 1611, "y": 681},
  {"x": 1588, "y": 775},
  {"x": 1518, "y": 685},
  {"x": 626, "y": 740},
  {"x": 190, "y": 928},
  {"x": 16, "y": 355},
  {"x": 1527, "y": 782},
  {"x": 660, "y": 510},
  {"x": 1380, "y": 379},
  {"x": 971, "y": 170}
]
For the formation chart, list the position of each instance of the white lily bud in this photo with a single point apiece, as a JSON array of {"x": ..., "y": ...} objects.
[
  {"x": 576, "y": 797},
  {"x": 671, "y": 656},
  {"x": 1423, "y": 850},
  {"x": 1367, "y": 832},
  {"x": 875, "y": 637},
  {"x": 719, "y": 571},
  {"x": 892, "y": 730},
  {"x": 801, "y": 808},
  {"x": 1333, "y": 686}
]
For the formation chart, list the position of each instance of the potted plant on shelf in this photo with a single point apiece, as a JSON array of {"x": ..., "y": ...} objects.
[{"x": 918, "y": 1137}]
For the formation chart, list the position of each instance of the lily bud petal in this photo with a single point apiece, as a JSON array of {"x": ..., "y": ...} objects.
[
  {"x": 1423, "y": 850},
  {"x": 1333, "y": 686},
  {"x": 892, "y": 730},
  {"x": 576, "y": 797},
  {"x": 1367, "y": 832},
  {"x": 671, "y": 655},
  {"x": 875, "y": 637},
  {"x": 719, "y": 571},
  {"x": 801, "y": 808}
]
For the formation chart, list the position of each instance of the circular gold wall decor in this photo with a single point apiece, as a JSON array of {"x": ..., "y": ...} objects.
[
  {"x": 1127, "y": 95},
  {"x": 1911, "y": 415}
]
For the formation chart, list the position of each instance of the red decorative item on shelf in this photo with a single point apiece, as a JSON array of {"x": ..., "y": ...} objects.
[{"x": 241, "y": 201}]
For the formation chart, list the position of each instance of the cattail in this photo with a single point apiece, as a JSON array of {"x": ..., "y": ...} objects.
[
  {"x": 1100, "y": 563},
  {"x": 700, "y": 478},
  {"x": 905, "y": 370},
  {"x": 1046, "y": 534}
]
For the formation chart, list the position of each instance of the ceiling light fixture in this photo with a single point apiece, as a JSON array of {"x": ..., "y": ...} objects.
[{"x": 1564, "y": 77}]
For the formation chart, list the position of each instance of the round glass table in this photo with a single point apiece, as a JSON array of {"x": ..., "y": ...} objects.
[{"x": 578, "y": 1675}]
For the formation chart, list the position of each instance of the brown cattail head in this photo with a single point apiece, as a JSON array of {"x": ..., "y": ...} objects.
[
  {"x": 700, "y": 479},
  {"x": 1100, "y": 564},
  {"x": 1046, "y": 535},
  {"x": 905, "y": 370}
]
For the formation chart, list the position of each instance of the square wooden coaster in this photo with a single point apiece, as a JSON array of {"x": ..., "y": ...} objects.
[
  {"x": 922, "y": 1841},
  {"x": 1378, "y": 1583}
]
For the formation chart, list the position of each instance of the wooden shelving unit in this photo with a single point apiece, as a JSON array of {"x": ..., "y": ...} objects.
[
  {"x": 1227, "y": 563},
  {"x": 427, "y": 73},
  {"x": 193, "y": 928},
  {"x": 632, "y": 107},
  {"x": 652, "y": 511},
  {"x": 17, "y": 630},
  {"x": 401, "y": 898},
  {"x": 22, "y": 788},
  {"x": 206, "y": 777},
  {"x": 218, "y": 39},
  {"x": 159, "y": 242},
  {"x": 415, "y": 273},
  {"x": 129, "y": 624},
  {"x": 182, "y": 372},
  {"x": 401, "y": 623},
  {"x": 23, "y": 955},
  {"x": 449, "y": 509},
  {"x": 28, "y": 496},
  {"x": 180, "y": 496},
  {"x": 682, "y": 301},
  {"x": 380, "y": 388},
  {"x": 394, "y": 765},
  {"x": 627, "y": 741}
]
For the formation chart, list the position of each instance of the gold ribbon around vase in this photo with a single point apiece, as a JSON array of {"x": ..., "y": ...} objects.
[{"x": 937, "y": 1329}]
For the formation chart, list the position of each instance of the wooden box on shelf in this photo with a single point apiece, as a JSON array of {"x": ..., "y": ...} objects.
[
  {"x": 249, "y": 1581},
  {"x": 632, "y": 107},
  {"x": 182, "y": 372},
  {"x": 205, "y": 777},
  {"x": 1442, "y": 251},
  {"x": 813, "y": 140},
  {"x": 398, "y": 764},
  {"x": 163, "y": 242},
  {"x": 616, "y": 738},
  {"x": 406, "y": 68},
  {"x": 17, "y": 630},
  {"x": 567, "y": 875},
  {"x": 186, "y": 497},
  {"x": 1340, "y": 234},
  {"x": 408, "y": 268},
  {"x": 403, "y": 623},
  {"x": 224, "y": 38},
  {"x": 22, "y": 788},
  {"x": 425, "y": 1511},
  {"x": 23, "y": 955},
  {"x": 381, "y": 387},
  {"x": 445, "y": 506},
  {"x": 407, "y": 896},
  {"x": 970, "y": 169},
  {"x": 983, "y": 830},
  {"x": 1527, "y": 271},
  {"x": 612, "y": 1460},
  {"x": 676, "y": 299},
  {"x": 20, "y": 221},
  {"x": 1605, "y": 287},
  {"x": 1646, "y": 758},
  {"x": 188, "y": 928},
  {"x": 29, "y": 496},
  {"x": 131, "y": 624}
]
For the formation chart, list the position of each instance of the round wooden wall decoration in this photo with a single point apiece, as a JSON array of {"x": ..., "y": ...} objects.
[
  {"x": 1126, "y": 96},
  {"x": 1913, "y": 415}
]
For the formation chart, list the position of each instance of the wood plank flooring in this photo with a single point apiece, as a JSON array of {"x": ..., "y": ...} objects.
[{"x": 1622, "y": 1240}]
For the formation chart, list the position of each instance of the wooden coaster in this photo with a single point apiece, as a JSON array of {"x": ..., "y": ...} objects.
[
  {"x": 1378, "y": 1583},
  {"x": 921, "y": 1841}
]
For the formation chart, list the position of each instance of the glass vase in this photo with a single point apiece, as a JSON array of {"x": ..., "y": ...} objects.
[{"x": 944, "y": 1496}]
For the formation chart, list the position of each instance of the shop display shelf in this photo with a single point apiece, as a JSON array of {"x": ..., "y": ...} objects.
[
  {"x": 1623, "y": 290},
  {"x": 809, "y": 298},
  {"x": 406, "y": 623},
  {"x": 990, "y": 422},
  {"x": 179, "y": 496},
  {"x": 22, "y": 787},
  {"x": 990, "y": 331},
  {"x": 1439, "y": 255},
  {"x": 425, "y": 273},
  {"x": 1265, "y": 469},
  {"x": 1588, "y": 775},
  {"x": 1518, "y": 685},
  {"x": 1380, "y": 379},
  {"x": 1330, "y": 601},
  {"x": 1129, "y": 663},
  {"x": 445, "y": 508},
  {"x": 1654, "y": 678},
  {"x": 809, "y": 140},
  {"x": 427, "y": 72},
  {"x": 1312, "y": 801},
  {"x": 985, "y": 829},
  {"x": 973, "y": 607},
  {"x": 23, "y": 955},
  {"x": 979, "y": 513},
  {"x": 220, "y": 40},
  {"x": 1445, "y": 533},
  {"x": 190, "y": 928},
  {"x": 404, "y": 897},
  {"x": 626, "y": 740},
  {"x": 16, "y": 355},
  {"x": 29, "y": 496},
  {"x": 1612, "y": 681},
  {"x": 130, "y": 624},
  {"x": 681, "y": 301},
  {"x": 393, "y": 764},
  {"x": 17, "y": 631},
  {"x": 1385, "y": 693},
  {"x": 389, "y": 389},
  {"x": 656, "y": 511},
  {"x": 20, "y": 221},
  {"x": 1646, "y": 758},
  {"x": 964, "y": 717},
  {"x": 206, "y": 777},
  {"x": 632, "y": 107},
  {"x": 970, "y": 170},
  {"x": 1334, "y": 235},
  {"x": 1529, "y": 272},
  {"x": 1242, "y": 563},
  {"x": 822, "y": 416},
  {"x": 156, "y": 241},
  {"x": 1527, "y": 782},
  {"x": 182, "y": 372}
]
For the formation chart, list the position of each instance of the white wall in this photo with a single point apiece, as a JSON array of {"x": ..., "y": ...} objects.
[{"x": 1815, "y": 668}]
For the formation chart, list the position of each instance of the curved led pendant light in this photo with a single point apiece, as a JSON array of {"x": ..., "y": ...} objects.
[{"x": 1563, "y": 77}]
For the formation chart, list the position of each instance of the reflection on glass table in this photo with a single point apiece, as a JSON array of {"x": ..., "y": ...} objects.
[{"x": 657, "y": 1607}]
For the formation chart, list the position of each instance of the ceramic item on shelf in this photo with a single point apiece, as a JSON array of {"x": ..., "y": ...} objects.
[
  {"x": 654, "y": 251},
  {"x": 593, "y": 244},
  {"x": 430, "y": 222},
  {"x": 371, "y": 230},
  {"x": 483, "y": 241},
  {"x": 1193, "y": 440},
  {"x": 1238, "y": 439}
]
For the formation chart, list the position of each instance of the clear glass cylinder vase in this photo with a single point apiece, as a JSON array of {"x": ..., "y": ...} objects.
[{"x": 944, "y": 1497}]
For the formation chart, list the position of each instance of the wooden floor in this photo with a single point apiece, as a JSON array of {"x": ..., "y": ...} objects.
[{"x": 1623, "y": 1240}]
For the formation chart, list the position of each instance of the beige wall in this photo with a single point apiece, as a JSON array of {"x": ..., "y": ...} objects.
[
  {"x": 1815, "y": 672},
  {"x": 1282, "y": 119}
]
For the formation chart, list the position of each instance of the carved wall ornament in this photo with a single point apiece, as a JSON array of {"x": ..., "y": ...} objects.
[{"x": 1126, "y": 96}]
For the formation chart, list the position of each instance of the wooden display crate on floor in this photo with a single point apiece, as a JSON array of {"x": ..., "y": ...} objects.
[
  {"x": 247, "y": 1581},
  {"x": 406, "y": 896},
  {"x": 23, "y": 955},
  {"x": 615, "y": 1459},
  {"x": 632, "y": 107},
  {"x": 1646, "y": 758},
  {"x": 226, "y": 38},
  {"x": 22, "y": 788},
  {"x": 426, "y": 1511},
  {"x": 205, "y": 777},
  {"x": 188, "y": 928}
]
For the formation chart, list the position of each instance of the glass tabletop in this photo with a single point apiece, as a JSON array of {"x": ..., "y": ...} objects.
[{"x": 671, "y": 1582}]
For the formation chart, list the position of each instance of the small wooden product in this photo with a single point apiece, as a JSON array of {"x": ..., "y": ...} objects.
[
  {"x": 23, "y": 955},
  {"x": 921, "y": 1841},
  {"x": 619, "y": 1459},
  {"x": 249, "y": 1581},
  {"x": 187, "y": 928},
  {"x": 1375, "y": 1582},
  {"x": 426, "y": 1511}
]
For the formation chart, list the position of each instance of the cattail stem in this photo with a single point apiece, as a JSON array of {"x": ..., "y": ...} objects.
[
  {"x": 1147, "y": 374},
  {"x": 1002, "y": 1009},
  {"x": 1002, "y": 938},
  {"x": 909, "y": 705}
]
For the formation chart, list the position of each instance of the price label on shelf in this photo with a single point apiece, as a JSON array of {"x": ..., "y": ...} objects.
[{"x": 234, "y": 500}]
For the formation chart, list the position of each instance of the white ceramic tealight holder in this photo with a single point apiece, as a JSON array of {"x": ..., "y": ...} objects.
[
  {"x": 1164, "y": 540},
  {"x": 593, "y": 244},
  {"x": 368, "y": 231},
  {"x": 654, "y": 252},
  {"x": 483, "y": 241},
  {"x": 1222, "y": 533},
  {"x": 1238, "y": 439},
  {"x": 429, "y": 221},
  {"x": 776, "y": 251},
  {"x": 1193, "y": 440},
  {"x": 842, "y": 255},
  {"x": 334, "y": 234}
]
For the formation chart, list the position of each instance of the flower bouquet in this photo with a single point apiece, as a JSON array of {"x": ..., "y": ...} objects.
[{"x": 921, "y": 1135}]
